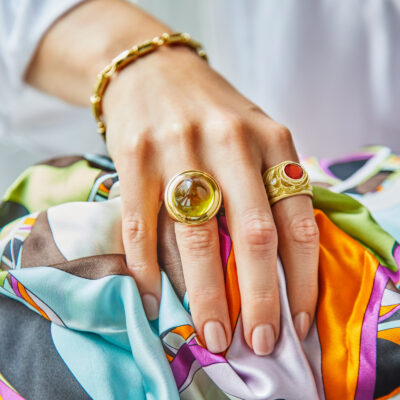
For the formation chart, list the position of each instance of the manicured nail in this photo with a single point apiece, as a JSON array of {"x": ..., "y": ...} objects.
[
  {"x": 302, "y": 323},
  {"x": 263, "y": 339},
  {"x": 150, "y": 305},
  {"x": 215, "y": 337}
]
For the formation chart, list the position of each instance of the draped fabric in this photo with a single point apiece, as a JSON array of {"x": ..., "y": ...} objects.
[{"x": 72, "y": 324}]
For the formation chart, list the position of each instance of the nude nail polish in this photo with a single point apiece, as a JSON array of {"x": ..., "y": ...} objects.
[
  {"x": 150, "y": 305},
  {"x": 302, "y": 324},
  {"x": 215, "y": 337},
  {"x": 263, "y": 339}
]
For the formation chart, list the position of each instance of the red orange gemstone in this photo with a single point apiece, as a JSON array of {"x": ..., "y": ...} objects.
[{"x": 294, "y": 171}]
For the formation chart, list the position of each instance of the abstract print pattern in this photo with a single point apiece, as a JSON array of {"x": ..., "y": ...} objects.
[
  {"x": 7, "y": 392},
  {"x": 24, "y": 294},
  {"x": 388, "y": 345},
  {"x": 10, "y": 249},
  {"x": 61, "y": 255}
]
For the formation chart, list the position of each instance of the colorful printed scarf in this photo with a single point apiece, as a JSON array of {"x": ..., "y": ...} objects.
[{"x": 61, "y": 256}]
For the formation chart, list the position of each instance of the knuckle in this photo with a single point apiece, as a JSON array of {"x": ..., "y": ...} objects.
[
  {"x": 304, "y": 230},
  {"x": 298, "y": 301},
  {"x": 264, "y": 300},
  {"x": 198, "y": 240},
  {"x": 140, "y": 143},
  {"x": 282, "y": 134},
  {"x": 135, "y": 150},
  {"x": 310, "y": 287},
  {"x": 229, "y": 129},
  {"x": 257, "y": 110},
  {"x": 263, "y": 296},
  {"x": 301, "y": 281},
  {"x": 206, "y": 295},
  {"x": 179, "y": 131},
  {"x": 135, "y": 229},
  {"x": 137, "y": 267},
  {"x": 232, "y": 122},
  {"x": 259, "y": 230}
]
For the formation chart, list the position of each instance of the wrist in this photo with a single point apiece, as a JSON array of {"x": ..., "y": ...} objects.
[
  {"x": 118, "y": 26},
  {"x": 146, "y": 74},
  {"x": 103, "y": 54}
]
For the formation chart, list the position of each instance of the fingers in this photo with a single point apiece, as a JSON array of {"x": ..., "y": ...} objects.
[
  {"x": 254, "y": 236},
  {"x": 140, "y": 193},
  {"x": 298, "y": 243},
  {"x": 202, "y": 268},
  {"x": 199, "y": 250},
  {"x": 298, "y": 249},
  {"x": 255, "y": 231}
]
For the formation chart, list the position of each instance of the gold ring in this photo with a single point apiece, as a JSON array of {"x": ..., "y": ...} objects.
[
  {"x": 285, "y": 180},
  {"x": 192, "y": 197}
]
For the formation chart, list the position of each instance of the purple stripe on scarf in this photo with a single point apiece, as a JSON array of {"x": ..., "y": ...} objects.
[
  {"x": 181, "y": 364},
  {"x": 367, "y": 369},
  {"x": 396, "y": 256},
  {"x": 187, "y": 354},
  {"x": 7, "y": 393},
  {"x": 325, "y": 164},
  {"x": 225, "y": 242},
  {"x": 203, "y": 356},
  {"x": 14, "y": 285}
]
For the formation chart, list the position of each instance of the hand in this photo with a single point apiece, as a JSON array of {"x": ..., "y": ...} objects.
[{"x": 169, "y": 112}]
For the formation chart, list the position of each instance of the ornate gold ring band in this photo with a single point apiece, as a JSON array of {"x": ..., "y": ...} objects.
[{"x": 286, "y": 179}]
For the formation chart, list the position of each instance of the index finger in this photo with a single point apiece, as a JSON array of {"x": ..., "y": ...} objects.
[{"x": 139, "y": 229}]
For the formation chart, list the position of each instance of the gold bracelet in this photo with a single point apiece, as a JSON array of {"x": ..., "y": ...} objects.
[{"x": 128, "y": 56}]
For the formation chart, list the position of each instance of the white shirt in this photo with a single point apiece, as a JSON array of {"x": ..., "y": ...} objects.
[
  {"x": 34, "y": 126},
  {"x": 328, "y": 69}
]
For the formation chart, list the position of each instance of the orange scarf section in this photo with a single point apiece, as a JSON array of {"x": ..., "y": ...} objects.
[{"x": 346, "y": 278}]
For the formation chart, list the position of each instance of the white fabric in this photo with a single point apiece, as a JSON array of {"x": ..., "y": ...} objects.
[
  {"x": 328, "y": 69},
  {"x": 33, "y": 125}
]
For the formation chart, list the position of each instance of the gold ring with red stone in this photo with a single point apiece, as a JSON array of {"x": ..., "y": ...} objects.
[
  {"x": 192, "y": 197},
  {"x": 285, "y": 180}
]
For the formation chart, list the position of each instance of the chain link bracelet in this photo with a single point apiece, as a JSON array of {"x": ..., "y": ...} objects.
[{"x": 127, "y": 57}]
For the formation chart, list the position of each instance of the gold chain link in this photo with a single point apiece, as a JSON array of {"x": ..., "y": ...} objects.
[{"x": 130, "y": 55}]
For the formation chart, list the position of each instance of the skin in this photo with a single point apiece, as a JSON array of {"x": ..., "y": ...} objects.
[{"x": 168, "y": 112}]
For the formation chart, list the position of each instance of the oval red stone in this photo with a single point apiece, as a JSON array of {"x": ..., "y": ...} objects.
[{"x": 294, "y": 171}]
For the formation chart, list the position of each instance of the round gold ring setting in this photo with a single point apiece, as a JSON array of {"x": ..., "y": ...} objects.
[
  {"x": 192, "y": 197},
  {"x": 286, "y": 179}
]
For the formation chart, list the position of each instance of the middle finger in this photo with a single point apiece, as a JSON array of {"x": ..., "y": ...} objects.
[{"x": 254, "y": 237}]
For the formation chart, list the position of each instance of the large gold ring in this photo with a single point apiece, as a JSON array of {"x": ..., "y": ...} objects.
[
  {"x": 285, "y": 180},
  {"x": 192, "y": 197}
]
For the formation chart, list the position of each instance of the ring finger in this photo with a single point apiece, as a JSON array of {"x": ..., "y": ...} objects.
[{"x": 298, "y": 238}]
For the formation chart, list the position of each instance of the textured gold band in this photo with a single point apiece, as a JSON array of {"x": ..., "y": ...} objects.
[
  {"x": 285, "y": 180},
  {"x": 192, "y": 197},
  {"x": 127, "y": 57}
]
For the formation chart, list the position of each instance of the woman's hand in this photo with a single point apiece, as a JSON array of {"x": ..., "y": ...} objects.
[{"x": 169, "y": 112}]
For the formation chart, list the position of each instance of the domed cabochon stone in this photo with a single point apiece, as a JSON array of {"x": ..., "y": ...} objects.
[
  {"x": 193, "y": 196},
  {"x": 294, "y": 171}
]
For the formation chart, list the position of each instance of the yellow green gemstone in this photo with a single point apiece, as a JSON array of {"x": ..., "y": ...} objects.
[{"x": 193, "y": 196}]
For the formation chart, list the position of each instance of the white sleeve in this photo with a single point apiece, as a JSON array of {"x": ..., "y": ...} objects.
[{"x": 22, "y": 25}]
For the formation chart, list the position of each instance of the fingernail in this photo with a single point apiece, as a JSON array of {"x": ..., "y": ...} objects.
[
  {"x": 150, "y": 305},
  {"x": 215, "y": 337},
  {"x": 263, "y": 339},
  {"x": 302, "y": 323}
]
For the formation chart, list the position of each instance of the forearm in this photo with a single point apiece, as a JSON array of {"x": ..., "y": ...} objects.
[{"x": 82, "y": 42}]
